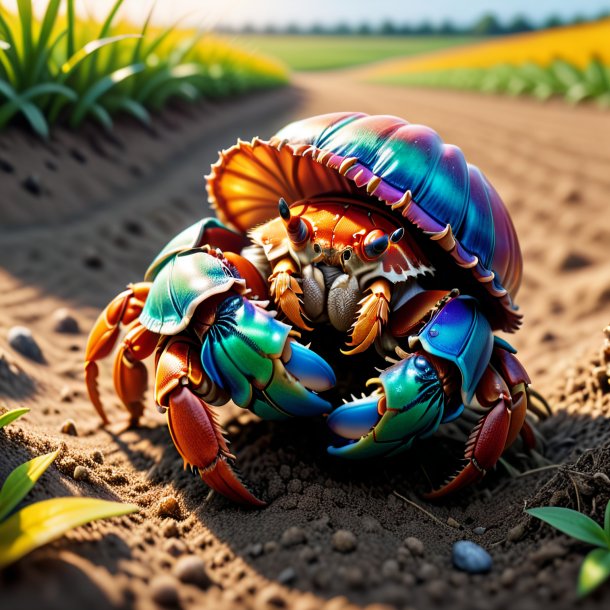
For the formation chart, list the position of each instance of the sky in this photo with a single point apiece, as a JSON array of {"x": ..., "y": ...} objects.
[{"x": 237, "y": 13}]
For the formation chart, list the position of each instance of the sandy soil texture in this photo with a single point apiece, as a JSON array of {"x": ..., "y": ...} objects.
[{"x": 83, "y": 215}]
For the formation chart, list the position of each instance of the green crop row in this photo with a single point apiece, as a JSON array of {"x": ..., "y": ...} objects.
[
  {"x": 61, "y": 68},
  {"x": 559, "y": 78}
]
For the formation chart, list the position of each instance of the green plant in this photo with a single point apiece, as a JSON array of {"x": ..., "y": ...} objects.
[
  {"x": 595, "y": 568},
  {"x": 41, "y": 522}
]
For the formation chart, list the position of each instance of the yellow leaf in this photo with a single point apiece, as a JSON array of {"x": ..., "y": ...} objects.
[
  {"x": 43, "y": 522},
  {"x": 21, "y": 480}
]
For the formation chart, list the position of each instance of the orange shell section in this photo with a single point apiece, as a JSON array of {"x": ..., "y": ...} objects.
[{"x": 248, "y": 180}]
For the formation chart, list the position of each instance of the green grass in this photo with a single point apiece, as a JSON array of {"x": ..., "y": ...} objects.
[
  {"x": 560, "y": 78},
  {"x": 67, "y": 69},
  {"x": 309, "y": 53}
]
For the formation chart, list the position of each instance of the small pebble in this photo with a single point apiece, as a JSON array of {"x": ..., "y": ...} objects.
[
  {"x": 191, "y": 569},
  {"x": 451, "y": 522},
  {"x": 164, "y": 590},
  {"x": 415, "y": 546},
  {"x": 287, "y": 576},
  {"x": 470, "y": 557},
  {"x": 256, "y": 550},
  {"x": 21, "y": 340},
  {"x": 516, "y": 533},
  {"x": 427, "y": 571},
  {"x": 32, "y": 184},
  {"x": 308, "y": 554},
  {"x": 69, "y": 427},
  {"x": 175, "y": 547},
  {"x": 170, "y": 530},
  {"x": 65, "y": 394},
  {"x": 65, "y": 322},
  {"x": 293, "y": 536},
  {"x": 390, "y": 569},
  {"x": 344, "y": 541},
  {"x": 97, "y": 456},
  {"x": 270, "y": 547},
  {"x": 169, "y": 507},
  {"x": 81, "y": 474},
  {"x": 479, "y": 531}
]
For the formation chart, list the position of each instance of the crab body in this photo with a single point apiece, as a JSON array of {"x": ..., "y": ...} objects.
[{"x": 370, "y": 225}]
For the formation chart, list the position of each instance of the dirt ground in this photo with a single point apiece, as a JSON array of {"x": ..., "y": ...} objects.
[{"x": 83, "y": 215}]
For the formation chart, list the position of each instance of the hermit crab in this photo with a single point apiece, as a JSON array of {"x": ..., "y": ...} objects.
[{"x": 368, "y": 227}]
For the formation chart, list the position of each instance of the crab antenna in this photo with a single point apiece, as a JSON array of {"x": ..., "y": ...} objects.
[
  {"x": 376, "y": 247},
  {"x": 297, "y": 229}
]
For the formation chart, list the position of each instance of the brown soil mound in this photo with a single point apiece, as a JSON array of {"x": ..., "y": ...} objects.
[{"x": 71, "y": 247}]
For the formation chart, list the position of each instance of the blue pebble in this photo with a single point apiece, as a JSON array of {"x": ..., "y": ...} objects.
[{"x": 471, "y": 558}]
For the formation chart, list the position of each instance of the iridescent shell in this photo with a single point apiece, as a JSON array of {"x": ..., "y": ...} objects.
[{"x": 404, "y": 166}]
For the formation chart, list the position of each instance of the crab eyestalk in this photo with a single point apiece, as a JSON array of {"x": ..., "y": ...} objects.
[
  {"x": 375, "y": 244},
  {"x": 296, "y": 227}
]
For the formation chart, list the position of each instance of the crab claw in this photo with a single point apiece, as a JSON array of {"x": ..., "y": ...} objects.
[
  {"x": 248, "y": 353},
  {"x": 409, "y": 403}
]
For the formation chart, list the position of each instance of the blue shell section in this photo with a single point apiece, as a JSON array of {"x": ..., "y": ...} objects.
[{"x": 443, "y": 184}]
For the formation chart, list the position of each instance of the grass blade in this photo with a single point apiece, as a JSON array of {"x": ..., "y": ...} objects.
[
  {"x": 21, "y": 480},
  {"x": 35, "y": 118},
  {"x": 71, "y": 28},
  {"x": 11, "y": 416},
  {"x": 594, "y": 570},
  {"x": 573, "y": 524},
  {"x": 100, "y": 88},
  {"x": 607, "y": 519},
  {"x": 24, "y": 8},
  {"x": 43, "y": 522},
  {"x": 91, "y": 47}
]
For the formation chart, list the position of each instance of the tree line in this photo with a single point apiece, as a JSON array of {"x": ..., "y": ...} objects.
[{"x": 487, "y": 25}]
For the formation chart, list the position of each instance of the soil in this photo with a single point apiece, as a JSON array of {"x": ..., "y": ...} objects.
[{"x": 85, "y": 213}]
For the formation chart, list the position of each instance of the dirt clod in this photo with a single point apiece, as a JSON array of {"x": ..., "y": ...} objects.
[
  {"x": 169, "y": 507},
  {"x": 344, "y": 541},
  {"x": 69, "y": 428},
  {"x": 293, "y": 536},
  {"x": 415, "y": 546},
  {"x": 81, "y": 473},
  {"x": 164, "y": 590},
  {"x": 191, "y": 569}
]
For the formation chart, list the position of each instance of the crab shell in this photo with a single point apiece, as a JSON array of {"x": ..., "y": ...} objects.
[{"x": 406, "y": 168}]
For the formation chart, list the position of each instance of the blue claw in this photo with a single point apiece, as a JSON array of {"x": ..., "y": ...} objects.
[
  {"x": 311, "y": 370},
  {"x": 242, "y": 353},
  {"x": 415, "y": 404},
  {"x": 354, "y": 419}
]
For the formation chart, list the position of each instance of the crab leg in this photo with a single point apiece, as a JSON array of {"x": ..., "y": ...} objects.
[
  {"x": 129, "y": 373},
  {"x": 192, "y": 422},
  {"x": 372, "y": 316},
  {"x": 123, "y": 309},
  {"x": 286, "y": 292},
  {"x": 498, "y": 428}
]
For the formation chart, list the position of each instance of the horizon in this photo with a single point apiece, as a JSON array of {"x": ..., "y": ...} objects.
[{"x": 238, "y": 14}]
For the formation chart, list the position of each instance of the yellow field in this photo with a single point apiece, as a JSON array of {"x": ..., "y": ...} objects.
[{"x": 577, "y": 45}]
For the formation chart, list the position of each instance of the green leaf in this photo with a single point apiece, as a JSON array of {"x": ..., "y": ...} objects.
[
  {"x": 607, "y": 519},
  {"x": 10, "y": 416},
  {"x": 35, "y": 118},
  {"x": 88, "y": 49},
  {"x": 70, "y": 28},
  {"x": 25, "y": 17},
  {"x": 43, "y": 522},
  {"x": 594, "y": 570},
  {"x": 572, "y": 523},
  {"x": 100, "y": 88},
  {"x": 21, "y": 480}
]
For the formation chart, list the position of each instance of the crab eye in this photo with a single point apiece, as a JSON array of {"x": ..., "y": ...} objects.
[
  {"x": 347, "y": 254},
  {"x": 317, "y": 248}
]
